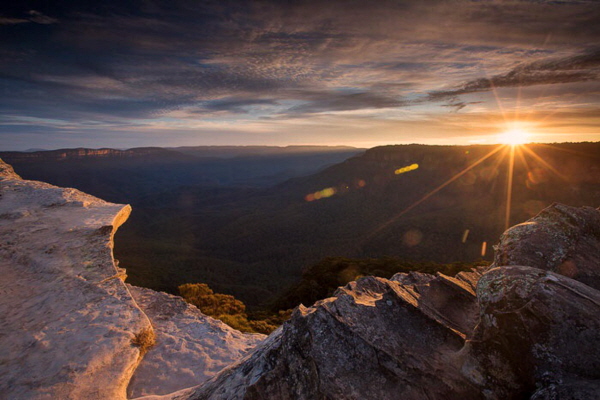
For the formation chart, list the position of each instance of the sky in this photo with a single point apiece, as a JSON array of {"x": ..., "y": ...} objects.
[{"x": 129, "y": 73}]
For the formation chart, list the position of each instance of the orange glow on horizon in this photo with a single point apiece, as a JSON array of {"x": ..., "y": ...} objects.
[{"x": 514, "y": 137}]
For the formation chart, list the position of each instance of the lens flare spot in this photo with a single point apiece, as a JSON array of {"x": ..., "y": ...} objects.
[
  {"x": 321, "y": 194},
  {"x": 361, "y": 183},
  {"x": 412, "y": 237},
  {"x": 465, "y": 236},
  {"x": 408, "y": 168},
  {"x": 348, "y": 274},
  {"x": 328, "y": 192},
  {"x": 536, "y": 176},
  {"x": 468, "y": 179}
]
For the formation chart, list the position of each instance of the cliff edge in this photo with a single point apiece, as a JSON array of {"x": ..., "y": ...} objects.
[
  {"x": 69, "y": 325},
  {"x": 69, "y": 328}
]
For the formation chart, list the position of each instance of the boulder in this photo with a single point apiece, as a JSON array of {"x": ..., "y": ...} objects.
[
  {"x": 538, "y": 335},
  {"x": 560, "y": 238}
]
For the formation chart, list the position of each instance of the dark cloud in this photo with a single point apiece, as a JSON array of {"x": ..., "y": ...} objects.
[
  {"x": 457, "y": 105},
  {"x": 320, "y": 101},
  {"x": 580, "y": 68},
  {"x": 236, "y": 105},
  {"x": 31, "y": 16},
  {"x": 39, "y": 18}
]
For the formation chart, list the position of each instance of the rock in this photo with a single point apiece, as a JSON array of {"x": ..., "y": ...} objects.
[
  {"x": 560, "y": 238},
  {"x": 543, "y": 329},
  {"x": 69, "y": 328},
  {"x": 376, "y": 339},
  {"x": 449, "y": 300},
  {"x": 190, "y": 347}
]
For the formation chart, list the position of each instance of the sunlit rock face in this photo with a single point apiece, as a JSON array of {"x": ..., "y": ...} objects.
[
  {"x": 514, "y": 332},
  {"x": 69, "y": 329},
  {"x": 190, "y": 347}
]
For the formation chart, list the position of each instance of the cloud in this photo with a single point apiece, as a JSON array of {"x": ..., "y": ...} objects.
[
  {"x": 579, "y": 68},
  {"x": 32, "y": 16},
  {"x": 12, "y": 21},
  {"x": 272, "y": 60},
  {"x": 39, "y": 18}
]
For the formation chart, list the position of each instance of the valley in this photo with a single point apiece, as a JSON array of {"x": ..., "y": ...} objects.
[{"x": 253, "y": 240}]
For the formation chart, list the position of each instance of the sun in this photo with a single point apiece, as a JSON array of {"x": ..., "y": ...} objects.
[{"x": 514, "y": 137}]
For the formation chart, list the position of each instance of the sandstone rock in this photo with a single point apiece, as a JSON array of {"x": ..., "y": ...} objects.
[
  {"x": 190, "y": 347},
  {"x": 538, "y": 335},
  {"x": 560, "y": 238},
  {"x": 69, "y": 328}
]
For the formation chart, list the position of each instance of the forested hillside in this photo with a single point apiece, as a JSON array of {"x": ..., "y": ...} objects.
[
  {"x": 253, "y": 243},
  {"x": 218, "y": 221}
]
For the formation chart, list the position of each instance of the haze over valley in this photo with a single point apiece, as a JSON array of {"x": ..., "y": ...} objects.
[{"x": 249, "y": 224}]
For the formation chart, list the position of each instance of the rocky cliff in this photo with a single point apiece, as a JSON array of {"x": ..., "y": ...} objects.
[
  {"x": 69, "y": 326},
  {"x": 527, "y": 327}
]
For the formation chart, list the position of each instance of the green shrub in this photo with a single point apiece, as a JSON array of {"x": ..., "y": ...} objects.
[{"x": 229, "y": 310}]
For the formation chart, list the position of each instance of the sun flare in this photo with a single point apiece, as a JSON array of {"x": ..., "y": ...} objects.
[{"x": 514, "y": 137}]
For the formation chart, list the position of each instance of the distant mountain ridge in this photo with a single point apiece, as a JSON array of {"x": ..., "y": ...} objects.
[
  {"x": 125, "y": 176},
  {"x": 81, "y": 153},
  {"x": 246, "y": 151}
]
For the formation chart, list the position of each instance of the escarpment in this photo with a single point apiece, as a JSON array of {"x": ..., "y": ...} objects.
[{"x": 70, "y": 328}]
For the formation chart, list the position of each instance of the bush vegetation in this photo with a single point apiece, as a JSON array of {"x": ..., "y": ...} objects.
[
  {"x": 230, "y": 310},
  {"x": 318, "y": 282}
]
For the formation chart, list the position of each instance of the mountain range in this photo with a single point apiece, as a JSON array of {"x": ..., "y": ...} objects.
[{"x": 251, "y": 234}]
